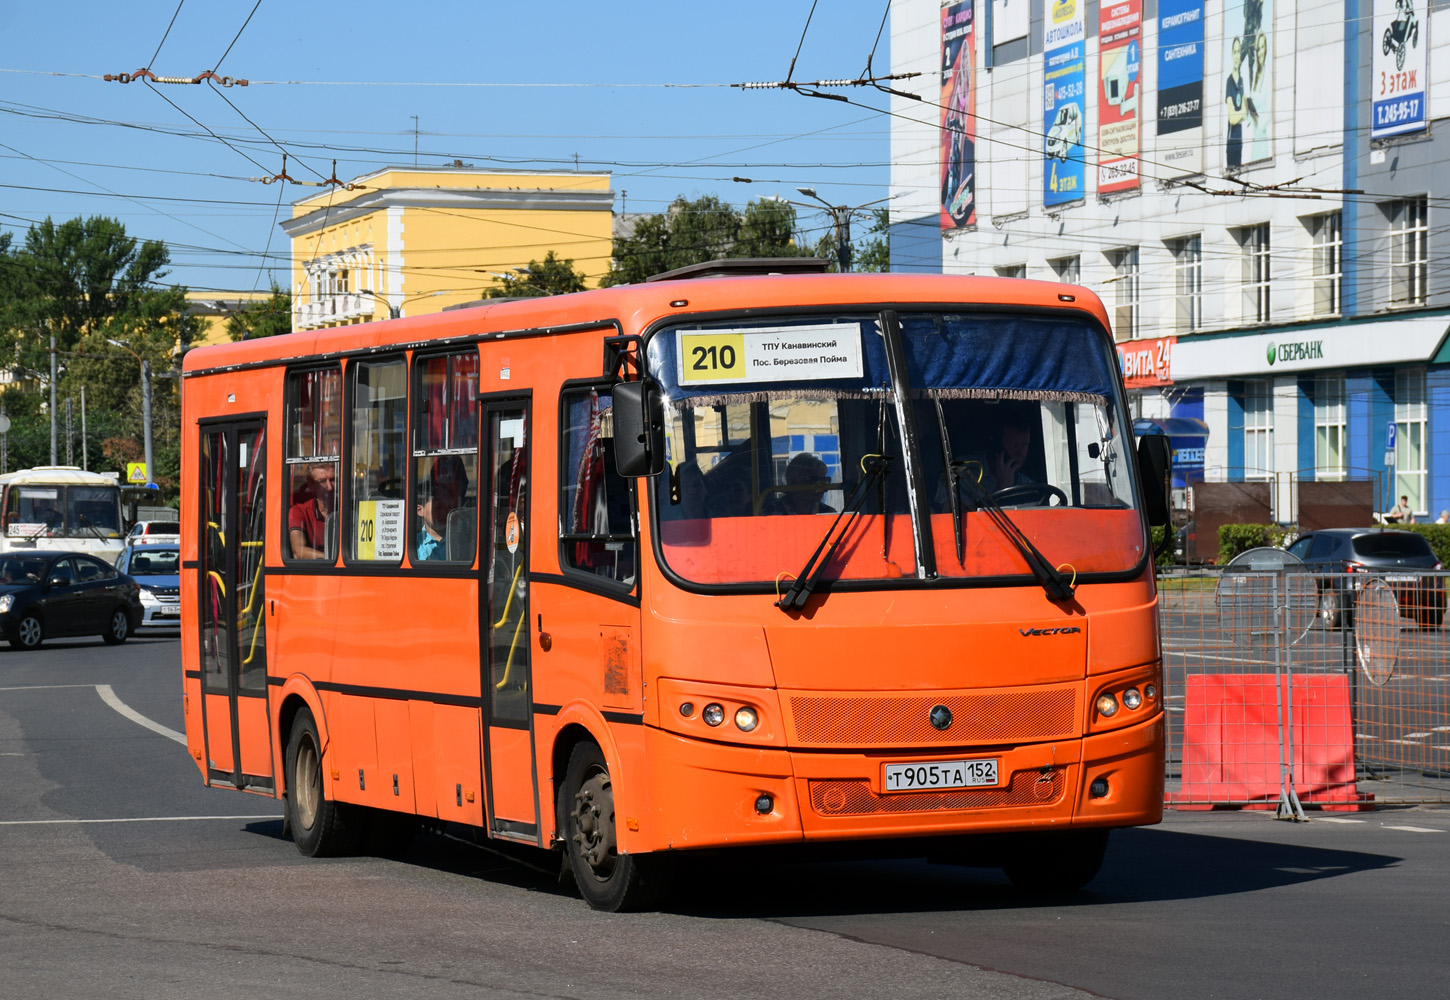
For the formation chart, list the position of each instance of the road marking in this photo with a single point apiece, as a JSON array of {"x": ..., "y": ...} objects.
[
  {"x": 1414, "y": 829},
  {"x": 109, "y": 697},
  {"x": 1416, "y": 736},
  {"x": 135, "y": 819},
  {"x": 45, "y": 687},
  {"x": 1336, "y": 819}
]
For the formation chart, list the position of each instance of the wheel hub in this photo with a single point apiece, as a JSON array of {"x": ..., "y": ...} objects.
[{"x": 593, "y": 837}]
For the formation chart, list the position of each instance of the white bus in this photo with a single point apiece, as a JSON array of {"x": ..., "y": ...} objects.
[{"x": 61, "y": 507}]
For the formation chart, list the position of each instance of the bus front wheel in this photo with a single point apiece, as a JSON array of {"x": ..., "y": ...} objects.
[
  {"x": 320, "y": 827},
  {"x": 608, "y": 879},
  {"x": 1058, "y": 861}
]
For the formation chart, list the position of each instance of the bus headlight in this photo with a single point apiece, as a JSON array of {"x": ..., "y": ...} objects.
[
  {"x": 1107, "y": 705},
  {"x": 714, "y": 714},
  {"x": 746, "y": 719},
  {"x": 1132, "y": 698}
]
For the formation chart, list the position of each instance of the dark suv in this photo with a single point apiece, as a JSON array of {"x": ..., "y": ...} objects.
[{"x": 1403, "y": 559}]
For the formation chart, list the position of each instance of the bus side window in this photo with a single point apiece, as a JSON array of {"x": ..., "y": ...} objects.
[
  {"x": 378, "y": 460},
  {"x": 443, "y": 518},
  {"x": 596, "y": 510},
  {"x": 313, "y": 461}
]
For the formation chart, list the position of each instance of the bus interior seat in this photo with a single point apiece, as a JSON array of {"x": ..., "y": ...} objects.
[
  {"x": 329, "y": 536},
  {"x": 461, "y": 532}
]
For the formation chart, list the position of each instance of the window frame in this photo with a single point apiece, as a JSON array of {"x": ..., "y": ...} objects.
[
  {"x": 347, "y": 520},
  {"x": 586, "y": 578},
  {"x": 1259, "y": 426},
  {"x": 1409, "y": 233},
  {"x": 1127, "y": 295},
  {"x": 1255, "y": 272},
  {"x": 1187, "y": 254},
  {"x": 1326, "y": 262},
  {"x": 1411, "y": 430},
  {"x": 1330, "y": 418},
  {"x": 415, "y": 451},
  {"x": 292, "y": 382}
]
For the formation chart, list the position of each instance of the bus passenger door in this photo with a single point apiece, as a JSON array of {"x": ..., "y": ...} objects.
[
  {"x": 508, "y": 752},
  {"x": 232, "y": 518}
]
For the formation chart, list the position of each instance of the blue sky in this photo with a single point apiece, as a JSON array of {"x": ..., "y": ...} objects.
[{"x": 544, "y": 83}]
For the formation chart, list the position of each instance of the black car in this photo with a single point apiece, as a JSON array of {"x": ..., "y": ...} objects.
[
  {"x": 1403, "y": 559},
  {"x": 46, "y": 595}
]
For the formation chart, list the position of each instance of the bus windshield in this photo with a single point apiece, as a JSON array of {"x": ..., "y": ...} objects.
[
  {"x": 63, "y": 511},
  {"x": 771, "y": 424}
]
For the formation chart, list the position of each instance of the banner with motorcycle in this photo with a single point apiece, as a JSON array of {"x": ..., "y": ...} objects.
[
  {"x": 1064, "y": 54},
  {"x": 1119, "y": 84},
  {"x": 958, "y": 117},
  {"x": 1180, "y": 87},
  {"x": 1399, "y": 82}
]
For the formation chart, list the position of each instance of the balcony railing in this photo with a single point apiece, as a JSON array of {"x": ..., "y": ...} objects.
[{"x": 338, "y": 309}]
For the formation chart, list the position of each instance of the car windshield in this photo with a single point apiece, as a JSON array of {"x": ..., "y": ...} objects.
[
  {"x": 772, "y": 424},
  {"x": 1391, "y": 543},
  {"x": 155, "y": 562}
]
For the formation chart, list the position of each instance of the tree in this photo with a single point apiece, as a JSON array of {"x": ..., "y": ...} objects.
[
  {"x": 551, "y": 276},
  {"x": 266, "y": 318},
  {"x": 691, "y": 232}
]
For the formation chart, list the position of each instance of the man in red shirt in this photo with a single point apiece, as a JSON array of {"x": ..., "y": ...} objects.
[{"x": 307, "y": 520}]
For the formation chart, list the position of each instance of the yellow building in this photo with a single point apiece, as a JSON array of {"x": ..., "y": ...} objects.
[
  {"x": 416, "y": 240},
  {"x": 215, "y": 308}
]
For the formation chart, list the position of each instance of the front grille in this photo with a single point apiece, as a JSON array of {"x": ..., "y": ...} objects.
[
  {"x": 865, "y": 721},
  {"x": 855, "y": 798}
]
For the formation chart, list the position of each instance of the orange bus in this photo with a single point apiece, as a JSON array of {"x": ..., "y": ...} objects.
[{"x": 693, "y": 564}]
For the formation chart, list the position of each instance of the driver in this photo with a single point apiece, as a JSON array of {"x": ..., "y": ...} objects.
[{"x": 1000, "y": 466}]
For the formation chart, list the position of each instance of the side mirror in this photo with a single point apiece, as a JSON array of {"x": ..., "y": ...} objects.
[
  {"x": 639, "y": 429},
  {"x": 56, "y": 581},
  {"x": 1155, "y": 462}
]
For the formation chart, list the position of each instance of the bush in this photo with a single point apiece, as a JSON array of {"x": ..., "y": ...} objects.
[
  {"x": 1438, "y": 535},
  {"x": 1236, "y": 538}
]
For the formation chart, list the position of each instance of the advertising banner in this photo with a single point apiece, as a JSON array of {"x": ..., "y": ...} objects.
[
  {"x": 1120, "y": 26},
  {"x": 959, "y": 118},
  {"x": 1180, "y": 87},
  {"x": 1064, "y": 54},
  {"x": 1248, "y": 88},
  {"x": 1398, "y": 77},
  {"x": 1011, "y": 20}
]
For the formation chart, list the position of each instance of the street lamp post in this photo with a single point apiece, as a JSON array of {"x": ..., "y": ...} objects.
[
  {"x": 841, "y": 216},
  {"x": 145, "y": 403},
  {"x": 396, "y": 311}
]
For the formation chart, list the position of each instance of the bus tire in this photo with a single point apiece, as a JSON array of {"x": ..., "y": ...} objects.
[
  {"x": 1062, "y": 861},
  {"x": 607, "y": 879},
  {"x": 29, "y": 632},
  {"x": 320, "y": 828}
]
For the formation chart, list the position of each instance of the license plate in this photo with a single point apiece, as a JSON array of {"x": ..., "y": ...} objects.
[
  {"x": 939, "y": 774},
  {"x": 1401, "y": 578}
]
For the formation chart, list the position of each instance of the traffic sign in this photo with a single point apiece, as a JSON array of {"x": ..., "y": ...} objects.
[
  {"x": 1391, "y": 430},
  {"x": 136, "y": 472}
]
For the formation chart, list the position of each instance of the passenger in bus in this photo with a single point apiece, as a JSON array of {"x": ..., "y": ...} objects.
[
  {"x": 809, "y": 474},
  {"x": 429, "y": 543},
  {"x": 307, "y": 520}
]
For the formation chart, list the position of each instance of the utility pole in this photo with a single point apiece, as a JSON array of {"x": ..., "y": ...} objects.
[
  {"x": 146, "y": 417},
  {"x": 52, "y": 401},
  {"x": 85, "y": 456},
  {"x": 415, "y": 139},
  {"x": 841, "y": 217},
  {"x": 70, "y": 453}
]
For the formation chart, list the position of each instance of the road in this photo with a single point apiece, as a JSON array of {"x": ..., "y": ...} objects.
[{"x": 121, "y": 876}]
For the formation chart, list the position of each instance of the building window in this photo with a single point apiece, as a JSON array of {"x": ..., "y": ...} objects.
[
  {"x": 1067, "y": 269},
  {"x": 1329, "y": 427},
  {"x": 1014, "y": 271},
  {"x": 1125, "y": 292},
  {"x": 1258, "y": 429},
  {"x": 1410, "y": 436},
  {"x": 1328, "y": 242},
  {"x": 1187, "y": 282},
  {"x": 1409, "y": 251},
  {"x": 1254, "y": 256}
]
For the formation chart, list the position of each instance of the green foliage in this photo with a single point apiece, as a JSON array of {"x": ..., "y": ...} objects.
[
  {"x": 1438, "y": 535},
  {"x": 1236, "y": 538},
  {"x": 692, "y": 232},
  {"x": 266, "y": 318},
  {"x": 551, "y": 276}
]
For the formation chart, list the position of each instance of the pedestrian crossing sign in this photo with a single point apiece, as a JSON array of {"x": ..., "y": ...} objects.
[{"x": 136, "y": 472}]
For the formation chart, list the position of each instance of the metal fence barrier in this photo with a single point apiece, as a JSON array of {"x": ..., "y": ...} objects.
[{"x": 1290, "y": 688}]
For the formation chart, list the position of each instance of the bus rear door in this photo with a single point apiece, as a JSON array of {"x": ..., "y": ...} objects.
[{"x": 232, "y": 516}]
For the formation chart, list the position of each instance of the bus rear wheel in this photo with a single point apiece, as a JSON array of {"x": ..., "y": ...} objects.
[
  {"x": 1059, "y": 861},
  {"x": 320, "y": 827},
  {"x": 607, "y": 879}
]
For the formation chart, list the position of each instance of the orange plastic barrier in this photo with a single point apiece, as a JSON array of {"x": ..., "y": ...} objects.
[{"x": 1231, "y": 742}]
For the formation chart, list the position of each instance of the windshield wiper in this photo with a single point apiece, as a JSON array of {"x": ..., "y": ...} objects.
[
  {"x": 795, "y": 598},
  {"x": 87, "y": 522},
  {"x": 953, "y": 498},
  {"x": 1058, "y": 585}
]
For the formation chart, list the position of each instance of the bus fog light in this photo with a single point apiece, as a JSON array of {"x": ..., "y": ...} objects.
[
  {"x": 746, "y": 719},
  {"x": 764, "y": 804},
  {"x": 1150, "y": 692},
  {"x": 1098, "y": 789},
  {"x": 1107, "y": 706},
  {"x": 714, "y": 714},
  {"x": 1131, "y": 698},
  {"x": 687, "y": 709}
]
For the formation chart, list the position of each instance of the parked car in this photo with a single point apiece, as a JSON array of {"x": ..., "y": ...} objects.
[
  {"x": 148, "y": 532},
  {"x": 157, "y": 569},
  {"x": 47, "y": 595},
  {"x": 1403, "y": 559}
]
